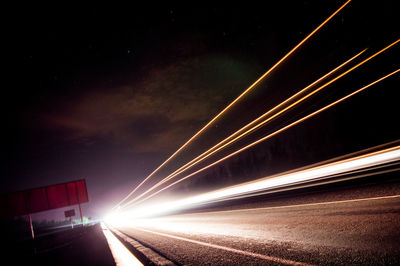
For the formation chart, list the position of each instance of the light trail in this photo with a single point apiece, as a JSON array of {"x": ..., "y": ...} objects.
[
  {"x": 236, "y": 100},
  {"x": 323, "y": 181},
  {"x": 265, "y": 121},
  {"x": 222, "y": 144},
  {"x": 381, "y": 157},
  {"x": 309, "y": 223},
  {"x": 183, "y": 223},
  {"x": 278, "y": 131},
  {"x": 306, "y": 204}
]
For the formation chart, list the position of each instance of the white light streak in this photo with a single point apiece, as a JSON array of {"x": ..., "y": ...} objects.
[{"x": 365, "y": 161}]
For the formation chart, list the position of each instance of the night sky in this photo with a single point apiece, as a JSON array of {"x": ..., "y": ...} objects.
[{"x": 107, "y": 93}]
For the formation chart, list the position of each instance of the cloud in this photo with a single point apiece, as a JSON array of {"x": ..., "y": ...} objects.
[{"x": 160, "y": 111}]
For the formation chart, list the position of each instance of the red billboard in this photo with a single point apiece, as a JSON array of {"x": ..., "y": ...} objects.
[{"x": 44, "y": 198}]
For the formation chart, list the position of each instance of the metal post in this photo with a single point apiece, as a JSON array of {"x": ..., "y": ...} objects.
[
  {"x": 80, "y": 211},
  {"x": 31, "y": 226},
  {"x": 79, "y": 203},
  {"x": 72, "y": 225}
]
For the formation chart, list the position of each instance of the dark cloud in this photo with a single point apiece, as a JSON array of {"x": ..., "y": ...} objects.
[{"x": 159, "y": 112}]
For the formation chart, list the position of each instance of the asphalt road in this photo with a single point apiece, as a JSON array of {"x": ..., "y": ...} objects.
[{"x": 346, "y": 225}]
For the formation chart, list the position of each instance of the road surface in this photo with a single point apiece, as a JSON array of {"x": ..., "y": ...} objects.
[{"x": 345, "y": 225}]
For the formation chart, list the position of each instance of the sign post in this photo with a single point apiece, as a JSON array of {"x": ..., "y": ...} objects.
[
  {"x": 80, "y": 211},
  {"x": 31, "y": 226},
  {"x": 79, "y": 203},
  {"x": 69, "y": 214}
]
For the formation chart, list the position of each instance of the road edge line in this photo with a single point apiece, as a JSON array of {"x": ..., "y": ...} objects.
[{"x": 146, "y": 255}]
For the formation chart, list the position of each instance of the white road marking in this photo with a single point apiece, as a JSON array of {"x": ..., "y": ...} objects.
[
  {"x": 238, "y": 251},
  {"x": 121, "y": 254}
]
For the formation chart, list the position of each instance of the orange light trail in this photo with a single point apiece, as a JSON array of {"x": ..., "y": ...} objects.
[
  {"x": 276, "y": 132},
  {"x": 221, "y": 144},
  {"x": 255, "y": 127},
  {"x": 237, "y": 99}
]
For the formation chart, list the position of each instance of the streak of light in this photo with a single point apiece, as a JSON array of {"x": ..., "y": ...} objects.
[
  {"x": 278, "y": 131},
  {"x": 307, "y": 204},
  {"x": 380, "y": 157},
  {"x": 194, "y": 223},
  {"x": 229, "y": 249},
  {"x": 122, "y": 256},
  {"x": 330, "y": 180},
  {"x": 234, "y": 137},
  {"x": 236, "y": 100}
]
